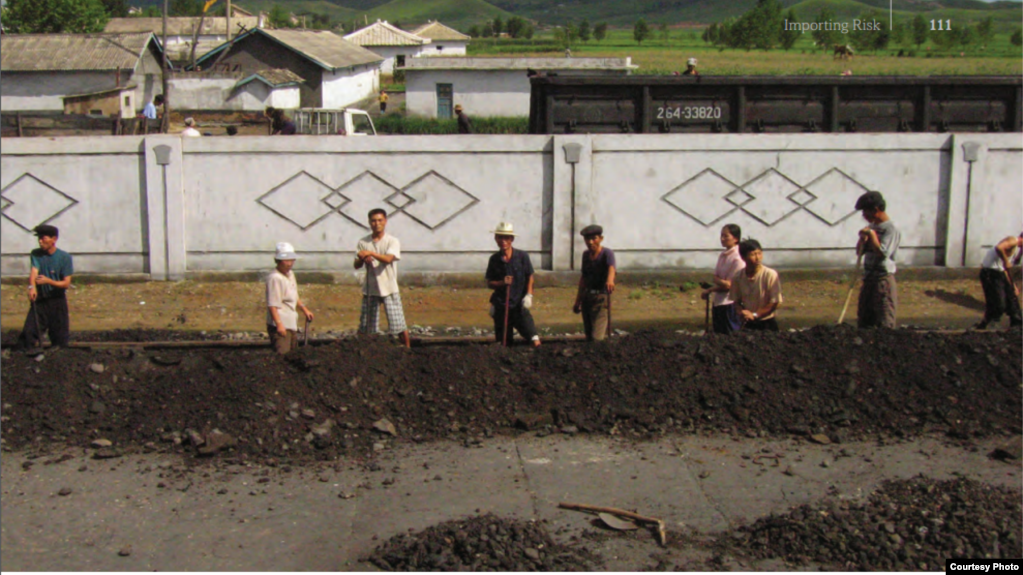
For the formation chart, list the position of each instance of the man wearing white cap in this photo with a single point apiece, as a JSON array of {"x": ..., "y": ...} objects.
[
  {"x": 691, "y": 68},
  {"x": 282, "y": 303},
  {"x": 510, "y": 273}
]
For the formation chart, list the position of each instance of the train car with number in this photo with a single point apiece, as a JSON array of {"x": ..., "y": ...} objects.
[{"x": 778, "y": 104}]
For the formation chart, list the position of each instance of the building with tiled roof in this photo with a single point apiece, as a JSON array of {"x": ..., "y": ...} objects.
[
  {"x": 444, "y": 41},
  {"x": 181, "y": 32},
  {"x": 41, "y": 71},
  {"x": 390, "y": 42}
]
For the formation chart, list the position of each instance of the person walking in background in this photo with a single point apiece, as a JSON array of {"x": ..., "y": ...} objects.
[
  {"x": 379, "y": 252},
  {"x": 510, "y": 275},
  {"x": 190, "y": 130},
  {"x": 48, "y": 282},
  {"x": 755, "y": 289},
  {"x": 1001, "y": 296},
  {"x": 281, "y": 124},
  {"x": 723, "y": 315},
  {"x": 596, "y": 285},
  {"x": 282, "y": 301},
  {"x": 464, "y": 125},
  {"x": 383, "y": 102},
  {"x": 878, "y": 244}
]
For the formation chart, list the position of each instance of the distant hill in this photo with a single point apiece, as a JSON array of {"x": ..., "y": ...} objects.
[{"x": 458, "y": 14}]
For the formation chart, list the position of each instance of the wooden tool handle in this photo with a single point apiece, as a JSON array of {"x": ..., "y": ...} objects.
[{"x": 611, "y": 510}]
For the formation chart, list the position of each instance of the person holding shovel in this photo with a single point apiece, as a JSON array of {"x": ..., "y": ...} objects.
[
  {"x": 878, "y": 244},
  {"x": 282, "y": 302},
  {"x": 596, "y": 285},
  {"x": 510, "y": 275},
  {"x": 379, "y": 252},
  {"x": 723, "y": 315},
  {"x": 48, "y": 282},
  {"x": 756, "y": 290},
  {"x": 1001, "y": 296}
]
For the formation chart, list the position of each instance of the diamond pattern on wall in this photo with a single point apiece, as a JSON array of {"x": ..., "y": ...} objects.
[
  {"x": 367, "y": 191},
  {"x": 696, "y": 197},
  {"x": 770, "y": 197},
  {"x": 835, "y": 193},
  {"x": 29, "y": 202},
  {"x": 771, "y": 192},
  {"x": 301, "y": 199},
  {"x": 436, "y": 200},
  {"x": 431, "y": 199}
]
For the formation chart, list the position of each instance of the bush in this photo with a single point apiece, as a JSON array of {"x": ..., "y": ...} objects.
[{"x": 415, "y": 126}]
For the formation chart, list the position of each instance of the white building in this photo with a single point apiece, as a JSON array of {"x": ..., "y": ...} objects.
[
  {"x": 182, "y": 30},
  {"x": 489, "y": 86},
  {"x": 334, "y": 73},
  {"x": 65, "y": 72},
  {"x": 444, "y": 41},
  {"x": 223, "y": 91},
  {"x": 393, "y": 44}
]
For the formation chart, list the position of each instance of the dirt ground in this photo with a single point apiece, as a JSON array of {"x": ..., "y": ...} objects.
[{"x": 239, "y": 306}]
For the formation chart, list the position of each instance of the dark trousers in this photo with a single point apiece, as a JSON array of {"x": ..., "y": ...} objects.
[
  {"x": 52, "y": 314},
  {"x": 879, "y": 297},
  {"x": 999, "y": 297},
  {"x": 724, "y": 319},
  {"x": 761, "y": 325},
  {"x": 519, "y": 319}
]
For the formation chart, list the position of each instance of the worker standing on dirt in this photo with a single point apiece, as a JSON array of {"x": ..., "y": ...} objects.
[
  {"x": 282, "y": 302},
  {"x": 596, "y": 285},
  {"x": 878, "y": 244},
  {"x": 756, "y": 289},
  {"x": 379, "y": 252},
  {"x": 464, "y": 125},
  {"x": 510, "y": 275},
  {"x": 723, "y": 315},
  {"x": 1001, "y": 296},
  {"x": 48, "y": 282}
]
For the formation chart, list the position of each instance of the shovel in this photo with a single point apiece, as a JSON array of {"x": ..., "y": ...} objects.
[
  {"x": 852, "y": 286},
  {"x": 706, "y": 314},
  {"x": 507, "y": 295},
  {"x": 610, "y": 332},
  {"x": 305, "y": 332}
]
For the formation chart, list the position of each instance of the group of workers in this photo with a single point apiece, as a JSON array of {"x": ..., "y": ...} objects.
[{"x": 745, "y": 293}]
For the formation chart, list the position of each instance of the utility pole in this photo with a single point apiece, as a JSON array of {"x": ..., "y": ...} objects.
[
  {"x": 165, "y": 75},
  {"x": 228, "y": 20}
]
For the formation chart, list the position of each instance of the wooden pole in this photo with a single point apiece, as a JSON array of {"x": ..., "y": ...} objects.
[
  {"x": 852, "y": 286},
  {"x": 165, "y": 75},
  {"x": 228, "y": 22}
]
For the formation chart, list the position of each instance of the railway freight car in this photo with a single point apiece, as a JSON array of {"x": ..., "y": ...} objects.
[{"x": 775, "y": 104}]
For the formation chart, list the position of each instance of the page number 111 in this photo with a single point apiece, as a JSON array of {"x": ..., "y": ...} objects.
[{"x": 941, "y": 26}]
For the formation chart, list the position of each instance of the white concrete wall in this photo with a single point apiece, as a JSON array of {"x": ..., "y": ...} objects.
[
  {"x": 390, "y": 53},
  {"x": 45, "y": 91},
  {"x": 220, "y": 94},
  {"x": 661, "y": 198},
  {"x": 444, "y": 48},
  {"x": 346, "y": 87}
]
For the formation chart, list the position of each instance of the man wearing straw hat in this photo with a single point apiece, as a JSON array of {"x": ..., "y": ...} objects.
[
  {"x": 691, "y": 68},
  {"x": 510, "y": 275},
  {"x": 282, "y": 303}
]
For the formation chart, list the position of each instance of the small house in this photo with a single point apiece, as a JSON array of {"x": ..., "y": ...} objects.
[
  {"x": 490, "y": 86},
  {"x": 76, "y": 73},
  {"x": 333, "y": 72},
  {"x": 393, "y": 44},
  {"x": 444, "y": 41},
  {"x": 183, "y": 31}
]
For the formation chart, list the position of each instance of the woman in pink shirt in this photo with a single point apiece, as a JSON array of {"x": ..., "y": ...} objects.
[{"x": 723, "y": 312}]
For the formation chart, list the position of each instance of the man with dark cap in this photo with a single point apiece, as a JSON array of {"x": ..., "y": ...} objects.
[
  {"x": 878, "y": 244},
  {"x": 596, "y": 285},
  {"x": 48, "y": 283},
  {"x": 464, "y": 124}
]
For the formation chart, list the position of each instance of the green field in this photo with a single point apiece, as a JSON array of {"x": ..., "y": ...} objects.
[{"x": 659, "y": 57}]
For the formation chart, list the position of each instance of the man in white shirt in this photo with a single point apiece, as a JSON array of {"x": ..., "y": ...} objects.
[
  {"x": 149, "y": 112},
  {"x": 282, "y": 303},
  {"x": 379, "y": 252},
  {"x": 1001, "y": 296},
  {"x": 190, "y": 131}
]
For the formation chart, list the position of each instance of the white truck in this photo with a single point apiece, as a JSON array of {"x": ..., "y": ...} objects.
[{"x": 344, "y": 122}]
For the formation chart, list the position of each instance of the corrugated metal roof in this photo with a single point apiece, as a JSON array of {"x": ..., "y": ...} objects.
[
  {"x": 181, "y": 26},
  {"x": 437, "y": 31},
  {"x": 383, "y": 34},
  {"x": 462, "y": 63},
  {"x": 67, "y": 52}
]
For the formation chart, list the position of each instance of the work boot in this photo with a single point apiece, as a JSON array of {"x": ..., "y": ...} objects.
[
  {"x": 34, "y": 351},
  {"x": 981, "y": 326}
]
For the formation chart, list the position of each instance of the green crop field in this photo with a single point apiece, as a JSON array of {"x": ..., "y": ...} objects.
[{"x": 657, "y": 56}]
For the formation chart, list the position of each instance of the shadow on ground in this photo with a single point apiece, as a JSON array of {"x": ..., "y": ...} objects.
[{"x": 962, "y": 300}]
